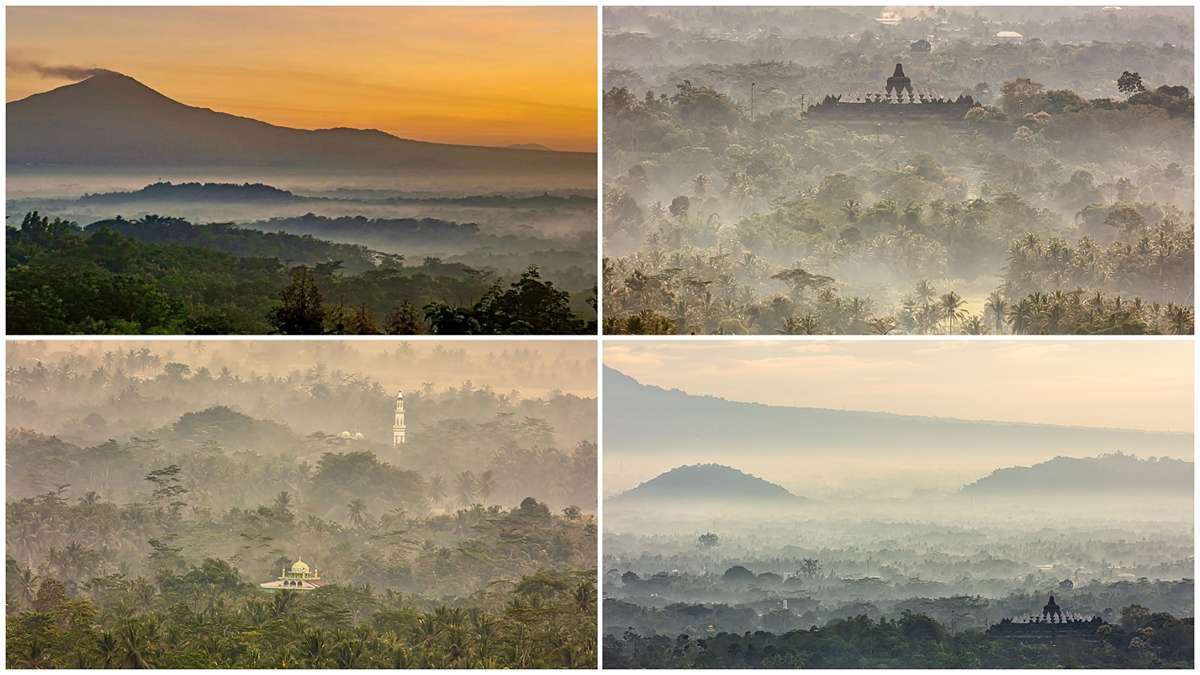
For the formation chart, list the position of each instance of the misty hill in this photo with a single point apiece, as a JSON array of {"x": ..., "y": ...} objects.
[
  {"x": 379, "y": 232},
  {"x": 710, "y": 483},
  {"x": 414, "y": 237},
  {"x": 112, "y": 119},
  {"x": 644, "y": 421},
  {"x": 291, "y": 249},
  {"x": 196, "y": 192},
  {"x": 1109, "y": 474}
]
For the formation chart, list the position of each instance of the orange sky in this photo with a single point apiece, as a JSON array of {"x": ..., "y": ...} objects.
[{"x": 471, "y": 75}]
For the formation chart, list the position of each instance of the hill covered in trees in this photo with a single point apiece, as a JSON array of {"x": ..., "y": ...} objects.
[
  {"x": 705, "y": 484},
  {"x": 1109, "y": 475},
  {"x": 166, "y": 191}
]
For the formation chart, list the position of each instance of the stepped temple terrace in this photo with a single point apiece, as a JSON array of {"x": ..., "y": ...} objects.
[
  {"x": 1052, "y": 625},
  {"x": 899, "y": 101}
]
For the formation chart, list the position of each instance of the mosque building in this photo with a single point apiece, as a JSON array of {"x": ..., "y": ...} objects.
[{"x": 298, "y": 577}]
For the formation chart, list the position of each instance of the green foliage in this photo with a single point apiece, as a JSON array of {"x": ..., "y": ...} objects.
[
  {"x": 300, "y": 311},
  {"x": 169, "y": 276},
  {"x": 529, "y": 306},
  {"x": 207, "y": 617}
]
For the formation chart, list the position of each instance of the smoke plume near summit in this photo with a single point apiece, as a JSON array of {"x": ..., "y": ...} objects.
[{"x": 65, "y": 72}]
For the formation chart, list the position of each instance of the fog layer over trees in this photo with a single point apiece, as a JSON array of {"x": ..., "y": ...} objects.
[
  {"x": 739, "y": 200},
  {"x": 153, "y": 486},
  {"x": 740, "y": 534}
]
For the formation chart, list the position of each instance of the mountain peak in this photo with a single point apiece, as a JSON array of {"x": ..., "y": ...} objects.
[{"x": 103, "y": 87}]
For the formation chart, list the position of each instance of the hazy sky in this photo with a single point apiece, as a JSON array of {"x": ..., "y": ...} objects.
[
  {"x": 1145, "y": 384},
  {"x": 470, "y": 75},
  {"x": 533, "y": 368}
]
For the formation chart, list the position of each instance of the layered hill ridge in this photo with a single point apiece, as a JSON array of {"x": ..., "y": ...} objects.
[
  {"x": 706, "y": 483},
  {"x": 644, "y": 421},
  {"x": 113, "y": 119}
]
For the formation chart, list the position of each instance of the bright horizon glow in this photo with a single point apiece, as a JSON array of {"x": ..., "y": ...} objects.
[
  {"x": 491, "y": 76},
  {"x": 1145, "y": 385}
]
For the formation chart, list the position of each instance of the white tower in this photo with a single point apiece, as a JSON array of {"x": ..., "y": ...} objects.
[{"x": 398, "y": 427}]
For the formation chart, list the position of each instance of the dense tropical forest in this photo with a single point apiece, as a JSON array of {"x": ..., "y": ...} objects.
[
  {"x": 738, "y": 200},
  {"x": 166, "y": 275},
  {"x": 153, "y": 487}
]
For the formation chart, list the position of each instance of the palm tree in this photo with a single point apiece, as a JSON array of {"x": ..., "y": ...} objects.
[
  {"x": 952, "y": 308},
  {"x": 1020, "y": 316},
  {"x": 283, "y": 505},
  {"x": 135, "y": 636},
  {"x": 997, "y": 307},
  {"x": 800, "y": 325},
  {"x": 974, "y": 326},
  {"x": 314, "y": 648},
  {"x": 357, "y": 510},
  {"x": 883, "y": 325},
  {"x": 486, "y": 485},
  {"x": 108, "y": 647},
  {"x": 467, "y": 486},
  {"x": 437, "y": 489},
  {"x": 924, "y": 292},
  {"x": 27, "y": 584}
]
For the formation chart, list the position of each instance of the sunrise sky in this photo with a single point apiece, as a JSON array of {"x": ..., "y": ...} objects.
[
  {"x": 466, "y": 75},
  {"x": 1127, "y": 384}
]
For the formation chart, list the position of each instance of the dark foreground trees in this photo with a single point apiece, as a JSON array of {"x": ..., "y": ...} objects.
[
  {"x": 1140, "y": 640},
  {"x": 209, "y": 617},
  {"x": 63, "y": 280}
]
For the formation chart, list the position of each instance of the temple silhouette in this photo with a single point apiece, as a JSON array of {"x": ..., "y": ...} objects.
[
  {"x": 1053, "y": 624},
  {"x": 899, "y": 101}
]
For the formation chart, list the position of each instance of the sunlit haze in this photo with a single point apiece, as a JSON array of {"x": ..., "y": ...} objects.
[{"x": 1134, "y": 385}]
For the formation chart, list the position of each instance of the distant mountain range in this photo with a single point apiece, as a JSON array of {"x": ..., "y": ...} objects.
[
  {"x": 167, "y": 192},
  {"x": 708, "y": 484},
  {"x": 644, "y": 422},
  {"x": 112, "y": 119},
  {"x": 1106, "y": 475}
]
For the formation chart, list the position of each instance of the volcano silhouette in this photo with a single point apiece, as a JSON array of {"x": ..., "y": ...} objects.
[{"x": 113, "y": 119}]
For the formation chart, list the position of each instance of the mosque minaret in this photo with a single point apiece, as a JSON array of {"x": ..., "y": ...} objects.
[{"x": 398, "y": 427}]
